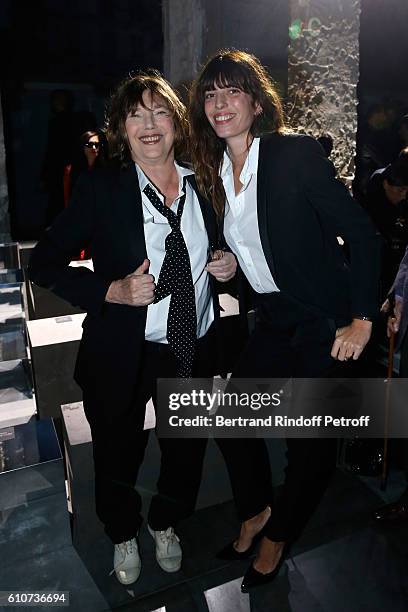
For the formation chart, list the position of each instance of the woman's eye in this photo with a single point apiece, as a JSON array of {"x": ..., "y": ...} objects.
[
  {"x": 208, "y": 95},
  {"x": 234, "y": 91}
]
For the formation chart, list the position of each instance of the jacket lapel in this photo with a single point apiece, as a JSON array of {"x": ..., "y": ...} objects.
[
  {"x": 267, "y": 149},
  {"x": 128, "y": 207}
]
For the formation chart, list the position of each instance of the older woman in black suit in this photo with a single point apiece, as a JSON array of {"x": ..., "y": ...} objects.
[
  {"x": 282, "y": 210},
  {"x": 150, "y": 308}
]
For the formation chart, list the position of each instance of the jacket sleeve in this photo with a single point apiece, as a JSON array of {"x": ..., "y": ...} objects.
[
  {"x": 49, "y": 263},
  {"x": 332, "y": 201},
  {"x": 401, "y": 277}
]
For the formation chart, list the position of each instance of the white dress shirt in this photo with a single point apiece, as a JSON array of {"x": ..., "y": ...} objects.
[
  {"x": 241, "y": 228},
  {"x": 156, "y": 228}
]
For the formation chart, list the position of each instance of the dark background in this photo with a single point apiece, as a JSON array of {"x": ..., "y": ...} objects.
[
  {"x": 384, "y": 47},
  {"x": 87, "y": 46}
]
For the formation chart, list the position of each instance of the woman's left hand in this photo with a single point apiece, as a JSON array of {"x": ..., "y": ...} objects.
[
  {"x": 351, "y": 340},
  {"x": 223, "y": 266}
]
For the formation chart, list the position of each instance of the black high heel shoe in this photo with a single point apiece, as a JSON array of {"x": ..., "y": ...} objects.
[
  {"x": 253, "y": 578},
  {"x": 229, "y": 553}
]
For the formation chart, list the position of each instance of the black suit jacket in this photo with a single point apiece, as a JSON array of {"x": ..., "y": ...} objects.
[
  {"x": 302, "y": 209},
  {"x": 106, "y": 213}
]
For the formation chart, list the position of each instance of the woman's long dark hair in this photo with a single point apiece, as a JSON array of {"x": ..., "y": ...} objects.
[
  {"x": 126, "y": 99},
  {"x": 228, "y": 68}
]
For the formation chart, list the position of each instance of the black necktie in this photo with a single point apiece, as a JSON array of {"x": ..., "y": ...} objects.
[{"x": 175, "y": 279}]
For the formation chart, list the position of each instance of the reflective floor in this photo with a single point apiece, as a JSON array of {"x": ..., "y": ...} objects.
[{"x": 342, "y": 561}]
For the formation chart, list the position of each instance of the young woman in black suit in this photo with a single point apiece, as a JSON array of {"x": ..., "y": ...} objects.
[{"x": 282, "y": 210}]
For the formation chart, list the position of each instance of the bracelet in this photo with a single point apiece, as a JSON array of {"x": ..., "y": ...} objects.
[{"x": 361, "y": 318}]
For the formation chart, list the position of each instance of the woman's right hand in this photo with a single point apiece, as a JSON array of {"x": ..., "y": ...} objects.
[
  {"x": 136, "y": 289},
  {"x": 222, "y": 266}
]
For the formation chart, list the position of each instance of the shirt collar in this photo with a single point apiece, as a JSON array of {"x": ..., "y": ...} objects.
[
  {"x": 181, "y": 171},
  {"x": 250, "y": 166},
  {"x": 226, "y": 166}
]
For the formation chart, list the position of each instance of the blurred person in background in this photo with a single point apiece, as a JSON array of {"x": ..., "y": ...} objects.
[
  {"x": 386, "y": 203},
  {"x": 377, "y": 144},
  {"x": 90, "y": 152},
  {"x": 403, "y": 131},
  {"x": 396, "y": 307}
]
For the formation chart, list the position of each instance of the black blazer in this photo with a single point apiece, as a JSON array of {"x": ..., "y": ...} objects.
[
  {"x": 302, "y": 209},
  {"x": 106, "y": 213}
]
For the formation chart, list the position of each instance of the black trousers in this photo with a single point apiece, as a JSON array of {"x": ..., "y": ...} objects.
[
  {"x": 288, "y": 341},
  {"x": 119, "y": 450}
]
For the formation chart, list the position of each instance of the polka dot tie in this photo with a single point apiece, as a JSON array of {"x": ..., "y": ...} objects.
[{"x": 175, "y": 279}]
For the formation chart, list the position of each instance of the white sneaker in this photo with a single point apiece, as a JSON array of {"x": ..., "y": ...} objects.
[
  {"x": 126, "y": 562},
  {"x": 168, "y": 549}
]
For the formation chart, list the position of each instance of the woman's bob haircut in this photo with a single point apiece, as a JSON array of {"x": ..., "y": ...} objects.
[{"x": 126, "y": 99}]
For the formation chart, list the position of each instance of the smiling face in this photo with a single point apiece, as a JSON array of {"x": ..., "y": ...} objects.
[
  {"x": 150, "y": 131},
  {"x": 231, "y": 113}
]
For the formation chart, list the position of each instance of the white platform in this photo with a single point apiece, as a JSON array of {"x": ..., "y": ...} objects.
[
  {"x": 55, "y": 330},
  {"x": 78, "y": 428},
  {"x": 17, "y": 412},
  {"x": 85, "y": 263},
  {"x": 16, "y": 405},
  {"x": 11, "y": 305}
]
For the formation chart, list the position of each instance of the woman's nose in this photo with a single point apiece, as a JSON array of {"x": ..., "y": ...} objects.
[
  {"x": 220, "y": 99},
  {"x": 149, "y": 121}
]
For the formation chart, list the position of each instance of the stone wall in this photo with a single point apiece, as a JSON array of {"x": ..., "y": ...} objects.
[
  {"x": 323, "y": 66},
  {"x": 258, "y": 26},
  {"x": 194, "y": 29},
  {"x": 324, "y": 72},
  {"x": 183, "y": 32}
]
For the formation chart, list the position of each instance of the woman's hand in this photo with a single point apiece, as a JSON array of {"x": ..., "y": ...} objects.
[
  {"x": 223, "y": 266},
  {"x": 351, "y": 340},
  {"x": 393, "y": 323},
  {"x": 136, "y": 289}
]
